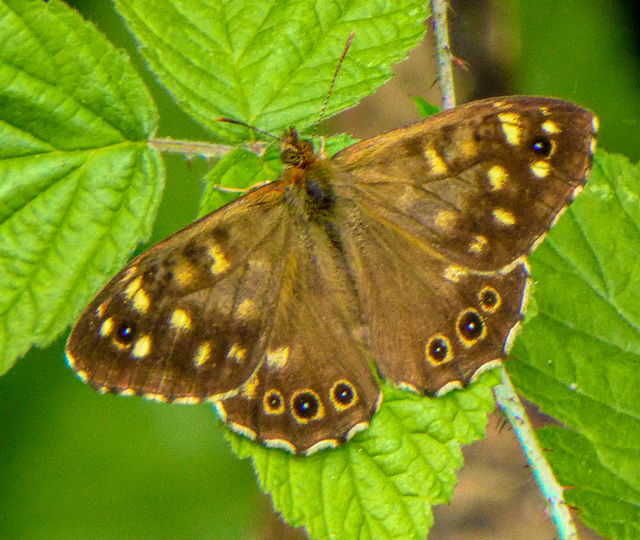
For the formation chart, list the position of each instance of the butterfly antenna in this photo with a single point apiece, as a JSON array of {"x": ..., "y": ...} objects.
[
  {"x": 240, "y": 123},
  {"x": 333, "y": 82}
]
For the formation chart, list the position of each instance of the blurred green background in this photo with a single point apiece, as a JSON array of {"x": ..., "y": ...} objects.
[{"x": 76, "y": 464}]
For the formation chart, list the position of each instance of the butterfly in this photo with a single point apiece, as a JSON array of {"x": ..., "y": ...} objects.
[{"x": 401, "y": 258}]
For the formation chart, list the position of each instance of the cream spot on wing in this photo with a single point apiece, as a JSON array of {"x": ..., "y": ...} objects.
[
  {"x": 101, "y": 309},
  {"x": 155, "y": 397},
  {"x": 540, "y": 168},
  {"x": 544, "y": 111},
  {"x": 510, "y": 124},
  {"x": 141, "y": 347},
  {"x": 453, "y": 385},
  {"x": 277, "y": 358},
  {"x": 478, "y": 244},
  {"x": 128, "y": 392},
  {"x": 246, "y": 309},
  {"x": 220, "y": 263},
  {"x": 183, "y": 275},
  {"x": 180, "y": 320},
  {"x": 218, "y": 407},
  {"x": 237, "y": 353},
  {"x": 445, "y": 219},
  {"x": 242, "y": 430},
  {"x": 280, "y": 444},
  {"x": 128, "y": 273},
  {"x": 361, "y": 426},
  {"x": 82, "y": 375},
  {"x": 248, "y": 389},
  {"x": 321, "y": 445},
  {"x": 595, "y": 123},
  {"x": 454, "y": 273},
  {"x": 141, "y": 301},
  {"x": 469, "y": 148},
  {"x": 504, "y": 217},
  {"x": 498, "y": 104},
  {"x": 491, "y": 364},
  {"x": 498, "y": 176},
  {"x": 202, "y": 354},
  {"x": 436, "y": 164},
  {"x": 187, "y": 400},
  {"x": 106, "y": 327},
  {"x": 592, "y": 145},
  {"x": 550, "y": 127},
  {"x": 133, "y": 287}
]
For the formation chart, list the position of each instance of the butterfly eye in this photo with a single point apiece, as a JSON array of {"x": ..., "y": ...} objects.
[
  {"x": 543, "y": 146},
  {"x": 125, "y": 333},
  {"x": 273, "y": 402},
  {"x": 439, "y": 350},
  {"x": 306, "y": 406},
  {"x": 489, "y": 299},
  {"x": 470, "y": 327},
  {"x": 343, "y": 395}
]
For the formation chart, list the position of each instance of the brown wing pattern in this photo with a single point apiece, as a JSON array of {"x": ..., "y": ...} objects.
[
  {"x": 180, "y": 323},
  {"x": 480, "y": 183},
  {"x": 315, "y": 387}
]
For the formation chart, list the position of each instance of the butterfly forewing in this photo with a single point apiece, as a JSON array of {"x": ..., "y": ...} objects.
[
  {"x": 181, "y": 322},
  {"x": 479, "y": 184},
  {"x": 403, "y": 257}
]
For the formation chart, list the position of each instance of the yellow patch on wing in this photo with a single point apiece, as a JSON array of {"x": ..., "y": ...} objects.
[
  {"x": 180, "y": 320},
  {"x": 498, "y": 176},
  {"x": 540, "y": 168},
  {"x": 141, "y": 347},
  {"x": 504, "y": 217},
  {"x": 220, "y": 263},
  {"x": 436, "y": 163},
  {"x": 202, "y": 354},
  {"x": 510, "y": 124},
  {"x": 277, "y": 358},
  {"x": 141, "y": 301}
]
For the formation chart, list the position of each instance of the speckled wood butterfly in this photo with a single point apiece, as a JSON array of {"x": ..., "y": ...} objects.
[{"x": 400, "y": 258}]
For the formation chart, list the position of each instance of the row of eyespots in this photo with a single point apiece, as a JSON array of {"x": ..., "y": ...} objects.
[
  {"x": 470, "y": 328},
  {"x": 306, "y": 404}
]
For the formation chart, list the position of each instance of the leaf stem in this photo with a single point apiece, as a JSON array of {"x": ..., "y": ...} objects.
[
  {"x": 441, "y": 27},
  {"x": 510, "y": 403}
]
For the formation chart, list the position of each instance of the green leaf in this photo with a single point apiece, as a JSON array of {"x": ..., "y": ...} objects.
[
  {"x": 384, "y": 481},
  {"x": 424, "y": 107},
  {"x": 270, "y": 63},
  {"x": 579, "y": 358},
  {"x": 78, "y": 185}
]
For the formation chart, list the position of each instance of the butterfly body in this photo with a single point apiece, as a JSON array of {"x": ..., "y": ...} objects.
[{"x": 402, "y": 257}]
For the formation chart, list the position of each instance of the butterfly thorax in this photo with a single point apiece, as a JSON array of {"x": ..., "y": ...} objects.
[{"x": 307, "y": 174}]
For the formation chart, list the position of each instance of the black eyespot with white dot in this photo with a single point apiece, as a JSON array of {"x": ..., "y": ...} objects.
[
  {"x": 273, "y": 402},
  {"x": 542, "y": 146},
  {"x": 343, "y": 395},
  {"x": 490, "y": 299},
  {"x": 439, "y": 350},
  {"x": 125, "y": 333},
  {"x": 470, "y": 327},
  {"x": 306, "y": 406}
]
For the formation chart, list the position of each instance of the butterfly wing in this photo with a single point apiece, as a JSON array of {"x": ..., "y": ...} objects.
[
  {"x": 185, "y": 320},
  {"x": 480, "y": 184},
  {"x": 315, "y": 387},
  {"x": 437, "y": 218}
]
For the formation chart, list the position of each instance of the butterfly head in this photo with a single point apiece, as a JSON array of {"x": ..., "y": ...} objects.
[{"x": 296, "y": 152}]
